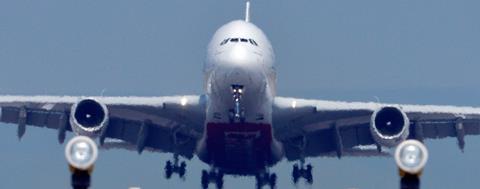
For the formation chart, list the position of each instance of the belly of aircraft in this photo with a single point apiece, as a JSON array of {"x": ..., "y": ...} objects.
[
  {"x": 244, "y": 144},
  {"x": 239, "y": 146}
]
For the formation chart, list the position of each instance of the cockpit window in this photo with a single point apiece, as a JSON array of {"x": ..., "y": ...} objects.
[
  {"x": 236, "y": 40},
  {"x": 253, "y": 42},
  {"x": 224, "y": 41}
]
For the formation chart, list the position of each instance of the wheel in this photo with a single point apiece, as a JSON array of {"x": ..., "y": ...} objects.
[
  {"x": 205, "y": 179},
  {"x": 259, "y": 185},
  {"x": 168, "y": 170},
  {"x": 182, "y": 169},
  {"x": 169, "y": 166},
  {"x": 295, "y": 170},
  {"x": 219, "y": 180},
  {"x": 295, "y": 180},
  {"x": 181, "y": 172},
  {"x": 168, "y": 173},
  {"x": 259, "y": 180},
  {"x": 204, "y": 185},
  {"x": 410, "y": 181},
  {"x": 308, "y": 174},
  {"x": 272, "y": 180},
  {"x": 309, "y": 168},
  {"x": 309, "y": 177},
  {"x": 220, "y": 174},
  {"x": 219, "y": 183},
  {"x": 295, "y": 173},
  {"x": 80, "y": 180}
]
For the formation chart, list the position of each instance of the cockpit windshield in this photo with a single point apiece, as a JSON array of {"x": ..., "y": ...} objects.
[{"x": 237, "y": 40}]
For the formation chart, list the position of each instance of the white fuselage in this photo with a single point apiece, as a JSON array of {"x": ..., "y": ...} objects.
[{"x": 240, "y": 54}]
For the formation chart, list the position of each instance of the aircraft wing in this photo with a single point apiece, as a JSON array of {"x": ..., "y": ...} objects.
[
  {"x": 310, "y": 128},
  {"x": 168, "y": 124}
]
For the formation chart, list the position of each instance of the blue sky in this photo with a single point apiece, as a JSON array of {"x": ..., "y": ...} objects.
[{"x": 409, "y": 51}]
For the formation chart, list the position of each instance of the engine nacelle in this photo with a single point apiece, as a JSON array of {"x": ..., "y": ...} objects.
[
  {"x": 389, "y": 126},
  {"x": 88, "y": 117}
]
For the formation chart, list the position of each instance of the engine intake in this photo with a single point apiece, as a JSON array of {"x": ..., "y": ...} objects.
[
  {"x": 389, "y": 126},
  {"x": 88, "y": 117}
]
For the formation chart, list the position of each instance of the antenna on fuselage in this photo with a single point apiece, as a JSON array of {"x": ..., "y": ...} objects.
[{"x": 247, "y": 12}]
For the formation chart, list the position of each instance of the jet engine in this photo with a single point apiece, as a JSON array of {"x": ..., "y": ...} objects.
[
  {"x": 389, "y": 126},
  {"x": 89, "y": 117}
]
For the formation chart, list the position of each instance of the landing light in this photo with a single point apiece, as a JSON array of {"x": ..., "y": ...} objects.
[
  {"x": 411, "y": 156},
  {"x": 184, "y": 101},
  {"x": 81, "y": 152},
  {"x": 294, "y": 104}
]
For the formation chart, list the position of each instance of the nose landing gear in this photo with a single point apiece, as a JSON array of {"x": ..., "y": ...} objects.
[
  {"x": 237, "y": 114},
  {"x": 212, "y": 176}
]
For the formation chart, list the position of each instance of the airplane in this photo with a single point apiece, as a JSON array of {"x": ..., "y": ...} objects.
[{"x": 240, "y": 126}]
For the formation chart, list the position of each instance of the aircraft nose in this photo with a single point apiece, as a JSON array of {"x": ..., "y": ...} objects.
[{"x": 240, "y": 55}]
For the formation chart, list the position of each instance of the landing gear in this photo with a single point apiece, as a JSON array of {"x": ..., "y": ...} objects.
[
  {"x": 266, "y": 179},
  {"x": 237, "y": 114},
  {"x": 234, "y": 118},
  {"x": 300, "y": 171},
  {"x": 171, "y": 168},
  {"x": 410, "y": 181},
  {"x": 80, "y": 179},
  {"x": 212, "y": 176}
]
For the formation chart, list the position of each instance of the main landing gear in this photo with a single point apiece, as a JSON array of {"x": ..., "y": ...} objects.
[
  {"x": 171, "y": 168},
  {"x": 263, "y": 179},
  {"x": 237, "y": 114},
  {"x": 212, "y": 176},
  {"x": 301, "y": 171}
]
